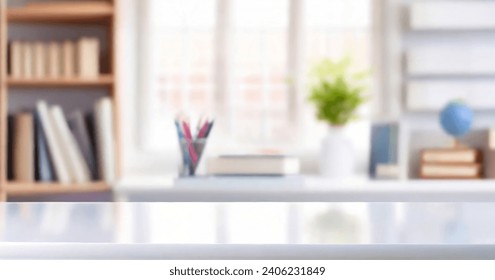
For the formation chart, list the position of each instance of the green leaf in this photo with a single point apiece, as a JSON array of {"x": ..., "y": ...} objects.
[{"x": 337, "y": 92}]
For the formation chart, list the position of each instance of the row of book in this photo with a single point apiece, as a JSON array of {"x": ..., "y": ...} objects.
[
  {"x": 46, "y": 146},
  {"x": 55, "y": 60}
]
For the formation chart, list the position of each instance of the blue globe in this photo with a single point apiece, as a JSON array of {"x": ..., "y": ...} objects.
[{"x": 456, "y": 119}]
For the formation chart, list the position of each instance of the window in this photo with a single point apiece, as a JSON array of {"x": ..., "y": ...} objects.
[
  {"x": 234, "y": 58},
  {"x": 259, "y": 95}
]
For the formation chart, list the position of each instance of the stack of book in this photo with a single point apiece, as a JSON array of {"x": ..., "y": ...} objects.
[
  {"x": 55, "y": 60},
  {"x": 451, "y": 163},
  {"x": 45, "y": 146}
]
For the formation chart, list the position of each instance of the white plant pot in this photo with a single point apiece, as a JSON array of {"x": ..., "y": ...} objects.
[{"x": 337, "y": 158}]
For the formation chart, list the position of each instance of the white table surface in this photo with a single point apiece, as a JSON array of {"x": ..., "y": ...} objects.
[
  {"x": 68, "y": 251},
  {"x": 201, "y": 231}
]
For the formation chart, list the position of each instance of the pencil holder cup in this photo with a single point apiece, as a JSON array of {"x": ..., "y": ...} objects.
[{"x": 191, "y": 151}]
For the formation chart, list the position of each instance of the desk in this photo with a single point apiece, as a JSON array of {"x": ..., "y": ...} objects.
[
  {"x": 199, "y": 231},
  {"x": 71, "y": 251}
]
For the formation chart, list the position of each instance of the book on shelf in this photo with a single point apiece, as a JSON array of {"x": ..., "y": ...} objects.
[
  {"x": 451, "y": 171},
  {"x": 387, "y": 171},
  {"x": 44, "y": 170},
  {"x": 105, "y": 139},
  {"x": 27, "y": 59},
  {"x": 452, "y": 155},
  {"x": 81, "y": 133},
  {"x": 78, "y": 169},
  {"x": 253, "y": 165},
  {"x": 10, "y": 147},
  {"x": 54, "y": 145},
  {"x": 69, "y": 59},
  {"x": 89, "y": 120},
  {"x": 88, "y": 58},
  {"x": 40, "y": 64},
  {"x": 23, "y": 146},
  {"x": 54, "y": 60},
  {"x": 16, "y": 59},
  {"x": 384, "y": 146}
]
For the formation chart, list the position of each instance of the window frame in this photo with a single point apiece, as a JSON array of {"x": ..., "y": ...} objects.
[
  {"x": 222, "y": 61},
  {"x": 143, "y": 155}
]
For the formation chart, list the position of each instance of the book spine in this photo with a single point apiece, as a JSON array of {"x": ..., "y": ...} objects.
[
  {"x": 80, "y": 131},
  {"x": 27, "y": 69},
  {"x": 10, "y": 147},
  {"x": 39, "y": 60},
  {"x": 54, "y": 60},
  {"x": 56, "y": 154},
  {"x": 69, "y": 58},
  {"x": 380, "y": 147},
  {"x": 16, "y": 61},
  {"x": 44, "y": 171},
  {"x": 89, "y": 120},
  {"x": 73, "y": 156},
  {"x": 105, "y": 139},
  {"x": 23, "y": 148}
]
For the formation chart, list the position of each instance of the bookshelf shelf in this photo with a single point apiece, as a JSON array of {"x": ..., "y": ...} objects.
[
  {"x": 23, "y": 189},
  {"x": 102, "y": 81},
  {"x": 100, "y": 13}
]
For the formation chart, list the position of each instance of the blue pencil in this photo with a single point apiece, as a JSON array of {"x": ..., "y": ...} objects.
[{"x": 185, "y": 152}]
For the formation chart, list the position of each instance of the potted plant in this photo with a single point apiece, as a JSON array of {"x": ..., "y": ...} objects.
[{"x": 337, "y": 92}]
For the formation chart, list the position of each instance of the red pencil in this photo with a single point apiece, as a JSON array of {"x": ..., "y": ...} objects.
[
  {"x": 203, "y": 130},
  {"x": 190, "y": 147}
]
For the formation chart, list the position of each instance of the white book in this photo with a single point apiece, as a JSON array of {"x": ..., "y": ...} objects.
[
  {"x": 54, "y": 146},
  {"x": 28, "y": 63},
  {"x": 39, "y": 60},
  {"x": 105, "y": 139},
  {"x": 16, "y": 59},
  {"x": 253, "y": 165},
  {"x": 69, "y": 59},
  {"x": 473, "y": 14},
  {"x": 450, "y": 171},
  {"x": 94, "y": 56},
  {"x": 88, "y": 58},
  {"x": 387, "y": 171},
  {"x": 434, "y": 95},
  {"x": 54, "y": 60},
  {"x": 72, "y": 154},
  {"x": 448, "y": 59}
]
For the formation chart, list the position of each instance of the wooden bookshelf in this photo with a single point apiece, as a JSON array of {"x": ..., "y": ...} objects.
[
  {"x": 93, "y": 13},
  {"x": 23, "y": 189},
  {"x": 102, "y": 81},
  {"x": 3, "y": 98},
  {"x": 101, "y": 13}
]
